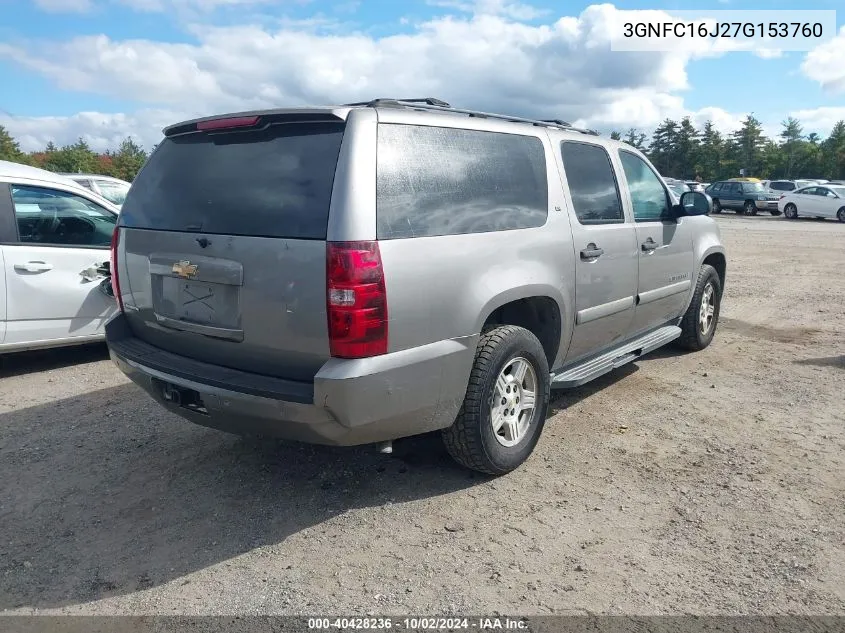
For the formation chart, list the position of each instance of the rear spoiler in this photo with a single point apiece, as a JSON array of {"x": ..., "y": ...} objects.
[{"x": 257, "y": 120}]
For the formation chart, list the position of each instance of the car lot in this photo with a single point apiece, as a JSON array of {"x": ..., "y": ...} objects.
[{"x": 707, "y": 483}]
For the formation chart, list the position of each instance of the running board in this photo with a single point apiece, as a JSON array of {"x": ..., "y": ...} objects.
[{"x": 593, "y": 368}]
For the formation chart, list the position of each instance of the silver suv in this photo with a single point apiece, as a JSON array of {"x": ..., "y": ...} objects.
[{"x": 362, "y": 273}]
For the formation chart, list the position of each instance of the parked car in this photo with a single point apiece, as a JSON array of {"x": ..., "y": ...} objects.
[
  {"x": 112, "y": 189},
  {"x": 742, "y": 197},
  {"x": 678, "y": 187},
  {"x": 819, "y": 201},
  {"x": 495, "y": 259},
  {"x": 694, "y": 185},
  {"x": 54, "y": 248},
  {"x": 781, "y": 186}
]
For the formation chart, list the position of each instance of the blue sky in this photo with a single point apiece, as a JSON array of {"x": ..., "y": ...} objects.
[{"x": 104, "y": 69}]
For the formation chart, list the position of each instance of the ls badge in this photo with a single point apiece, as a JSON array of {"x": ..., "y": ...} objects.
[{"x": 185, "y": 269}]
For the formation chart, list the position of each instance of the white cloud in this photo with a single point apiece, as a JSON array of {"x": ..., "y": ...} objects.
[
  {"x": 826, "y": 63},
  {"x": 487, "y": 60},
  {"x": 65, "y": 6},
  {"x": 101, "y": 131}
]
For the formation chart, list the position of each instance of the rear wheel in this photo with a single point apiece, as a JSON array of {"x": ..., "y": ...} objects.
[
  {"x": 699, "y": 323},
  {"x": 840, "y": 215},
  {"x": 790, "y": 211},
  {"x": 749, "y": 208},
  {"x": 505, "y": 406}
]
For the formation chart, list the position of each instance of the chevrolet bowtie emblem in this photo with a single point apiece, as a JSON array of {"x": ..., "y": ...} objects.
[{"x": 184, "y": 269}]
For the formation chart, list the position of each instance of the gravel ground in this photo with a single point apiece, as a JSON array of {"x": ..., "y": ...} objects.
[{"x": 708, "y": 483}]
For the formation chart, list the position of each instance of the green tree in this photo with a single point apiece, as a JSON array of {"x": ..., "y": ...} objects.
[
  {"x": 663, "y": 150},
  {"x": 832, "y": 153},
  {"x": 76, "y": 158},
  {"x": 710, "y": 153},
  {"x": 749, "y": 142},
  {"x": 636, "y": 139},
  {"x": 793, "y": 138},
  {"x": 128, "y": 160},
  {"x": 616, "y": 136},
  {"x": 688, "y": 147},
  {"x": 9, "y": 147}
]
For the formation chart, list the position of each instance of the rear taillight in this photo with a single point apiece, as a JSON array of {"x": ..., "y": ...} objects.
[
  {"x": 115, "y": 282},
  {"x": 356, "y": 300}
]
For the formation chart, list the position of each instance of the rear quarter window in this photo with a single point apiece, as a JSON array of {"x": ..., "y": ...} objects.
[
  {"x": 446, "y": 181},
  {"x": 273, "y": 182}
]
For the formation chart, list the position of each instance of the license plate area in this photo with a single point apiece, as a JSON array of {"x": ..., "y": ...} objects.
[
  {"x": 204, "y": 300},
  {"x": 181, "y": 397},
  {"x": 198, "y": 302}
]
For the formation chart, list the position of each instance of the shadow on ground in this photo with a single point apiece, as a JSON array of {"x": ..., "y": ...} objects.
[
  {"x": 107, "y": 493},
  {"x": 21, "y": 363},
  {"x": 829, "y": 361}
]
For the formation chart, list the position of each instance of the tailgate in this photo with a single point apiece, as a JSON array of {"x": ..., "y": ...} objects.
[{"x": 223, "y": 247}]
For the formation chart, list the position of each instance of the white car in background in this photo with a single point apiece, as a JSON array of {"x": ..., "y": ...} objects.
[
  {"x": 55, "y": 239},
  {"x": 112, "y": 189},
  {"x": 817, "y": 201}
]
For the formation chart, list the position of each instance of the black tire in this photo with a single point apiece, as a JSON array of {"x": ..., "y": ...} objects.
[
  {"x": 471, "y": 440},
  {"x": 692, "y": 337},
  {"x": 749, "y": 208},
  {"x": 717, "y": 206},
  {"x": 790, "y": 212},
  {"x": 774, "y": 211},
  {"x": 840, "y": 215}
]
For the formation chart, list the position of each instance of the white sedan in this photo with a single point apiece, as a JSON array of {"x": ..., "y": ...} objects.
[
  {"x": 816, "y": 201},
  {"x": 55, "y": 239}
]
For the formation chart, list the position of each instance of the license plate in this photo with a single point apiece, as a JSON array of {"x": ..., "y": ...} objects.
[{"x": 198, "y": 301}]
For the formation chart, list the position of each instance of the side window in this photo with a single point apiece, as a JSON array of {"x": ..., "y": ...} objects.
[
  {"x": 55, "y": 217},
  {"x": 648, "y": 195},
  {"x": 592, "y": 183},
  {"x": 717, "y": 187},
  {"x": 448, "y": 181},
  {"x": 735, "y": 188}
]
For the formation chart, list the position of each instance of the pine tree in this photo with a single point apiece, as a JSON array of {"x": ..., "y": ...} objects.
[
  {"x": 9, "y": 147},
  {"x": 749, "y": 142}
]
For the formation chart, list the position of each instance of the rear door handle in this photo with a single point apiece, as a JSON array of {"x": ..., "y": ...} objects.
[
  {"x": 649, "y": 245},
  {"x": 34, "y": 267},
  {"x": 591, "y": 252}
]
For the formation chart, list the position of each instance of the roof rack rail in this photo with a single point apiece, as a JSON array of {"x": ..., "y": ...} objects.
[
  {"x": 437, "y": 105},
  {"x": 421, "y": 101}
]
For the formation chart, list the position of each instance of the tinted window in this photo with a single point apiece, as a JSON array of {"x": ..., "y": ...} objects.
[
  {"x": 592, "y": 183},
  {"x": 647, "y": 193},
  {"x": 274, "y": 182},
  {"x": 445, "y": 181},
  {"x": 716, "y": 187},
  {"x": 54, "y": 217}
]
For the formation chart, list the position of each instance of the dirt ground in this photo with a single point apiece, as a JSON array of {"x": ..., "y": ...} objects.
[{"x": 708, "y": 483}]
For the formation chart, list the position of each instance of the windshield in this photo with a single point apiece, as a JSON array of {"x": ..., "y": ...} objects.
[
  {"x": 753, "y": 187},
  {"x": 114, "y": 192},
  {"x": 678, "y": 187},
  {"x": 839, "y": 191}
]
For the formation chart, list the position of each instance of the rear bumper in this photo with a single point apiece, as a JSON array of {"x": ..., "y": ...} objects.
[{"x": 350, "y": 401}]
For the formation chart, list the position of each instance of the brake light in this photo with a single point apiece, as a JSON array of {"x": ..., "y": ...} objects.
[
  {"x": 221, "y": 124},
  {"x": 356, "y": 300},
  {"x": 115, "y": 282}
]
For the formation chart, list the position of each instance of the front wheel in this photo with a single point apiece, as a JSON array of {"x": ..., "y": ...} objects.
[
  {"x": 504, "y": 410},
  {"x": 717, "y": 206},
  {"x": 790, "y": 211},
  {"x": 699, "y": 323},
  {"x": 840, "y": 215}
]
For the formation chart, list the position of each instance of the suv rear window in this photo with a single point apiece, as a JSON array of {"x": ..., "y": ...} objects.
[
  {"x": 781, "y": 186},
  {"x": 275, "y": 182},
  {"x": 448, "y": 181}
]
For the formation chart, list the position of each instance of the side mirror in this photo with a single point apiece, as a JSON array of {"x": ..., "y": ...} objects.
[{"x": 694, "y": 203}]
